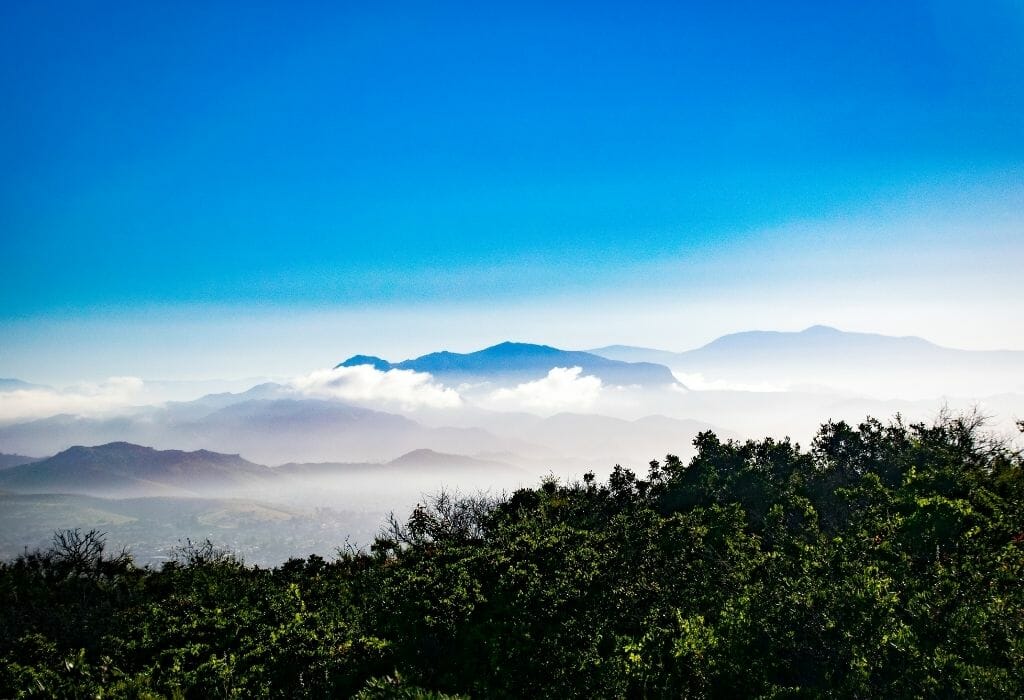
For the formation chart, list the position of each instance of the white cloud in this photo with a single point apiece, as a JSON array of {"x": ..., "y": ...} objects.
[
  {"x": 406, "y": 388},
  {"x": 84, "y": 399},
  {"x": 562, "y": 389}
]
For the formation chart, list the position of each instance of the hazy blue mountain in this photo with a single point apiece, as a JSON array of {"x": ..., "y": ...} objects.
[
  {"x": 817, "y": 343},
  {"x": 853, "y": 362},
  {"x": 302, "y": 415},
  {"x": 375, "y": 362},
  {"x": 294, "y": 430},
  {"x": 520, "y": 362},
  {"x": 824, "y": 341},
  {"x": 8, "y": 461},
  {"x": 124, "y": 469},
  {"x": 204, "y": 405}
]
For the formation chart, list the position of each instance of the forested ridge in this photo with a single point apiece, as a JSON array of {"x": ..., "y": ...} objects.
[{"x": 885, "y": 560}]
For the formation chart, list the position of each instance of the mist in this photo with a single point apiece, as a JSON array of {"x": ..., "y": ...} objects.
[{"x": 319, "y": 460}]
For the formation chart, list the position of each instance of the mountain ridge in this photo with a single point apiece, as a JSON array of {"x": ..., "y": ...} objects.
[
  {"x": 125, "y": 470},
  {"x": 817, "y": 332},
  {"x": 518, "y": 362},
  {"x": 881, "y": 365}
]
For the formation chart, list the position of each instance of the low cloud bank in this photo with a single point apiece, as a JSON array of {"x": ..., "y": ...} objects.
[
  {"x": 364, "y": 383},
  {"x": 85, "y": 399},
  {"x": 564, "y": 388}
]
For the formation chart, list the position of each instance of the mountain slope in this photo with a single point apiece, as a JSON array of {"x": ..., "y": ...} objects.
[
  {"x": 520, "y": 362},
  {"x": 8, "y": 461}
]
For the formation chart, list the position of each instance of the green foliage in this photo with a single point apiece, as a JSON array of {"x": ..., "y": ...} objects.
[{"x": 885, "y": 561}]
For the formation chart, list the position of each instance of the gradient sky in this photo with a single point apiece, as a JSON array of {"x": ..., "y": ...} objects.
[{"x": 227, "y": 190}]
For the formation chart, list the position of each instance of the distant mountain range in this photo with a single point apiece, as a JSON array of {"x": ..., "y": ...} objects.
[
  {"x": 511, "y": 363},
  {"x": 825, "y": 357},
  {"x": 755, "y": 382},
  {"x": 125, "y": 470},
  {"x": 270, "y": 431},
  {"x": 278, "y": 431}
]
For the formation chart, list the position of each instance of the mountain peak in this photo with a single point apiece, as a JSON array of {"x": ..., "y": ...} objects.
[
  {"x": 510, "y": 347},
  {"x": 422, "y": 454},
  {"x": 109, "y": 448},
  {"x": 356, "y": 360}
]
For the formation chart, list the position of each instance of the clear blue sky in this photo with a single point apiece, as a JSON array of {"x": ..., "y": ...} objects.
[{"x": 361, "y": 157}]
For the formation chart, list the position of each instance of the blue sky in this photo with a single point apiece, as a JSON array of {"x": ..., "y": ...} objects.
[{"x": 170, "y": 167}]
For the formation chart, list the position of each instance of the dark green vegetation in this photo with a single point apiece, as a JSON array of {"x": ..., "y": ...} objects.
[{"x": 886, "y": 561}]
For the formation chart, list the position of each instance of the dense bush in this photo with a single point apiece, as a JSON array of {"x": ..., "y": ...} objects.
[{"x": 886, "y": 561}]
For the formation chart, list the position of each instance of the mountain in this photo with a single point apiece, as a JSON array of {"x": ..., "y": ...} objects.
[
  {"x": 306, "y": 430},
  {"x": 123, "y": 469},
  {"x": 823, "y": 342},
  {"x": 8, "y": 461},
  {"x": 512, "y": 363},
  {"x": 824, "y": 357},
  {"x": 204, "y": 405}
]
